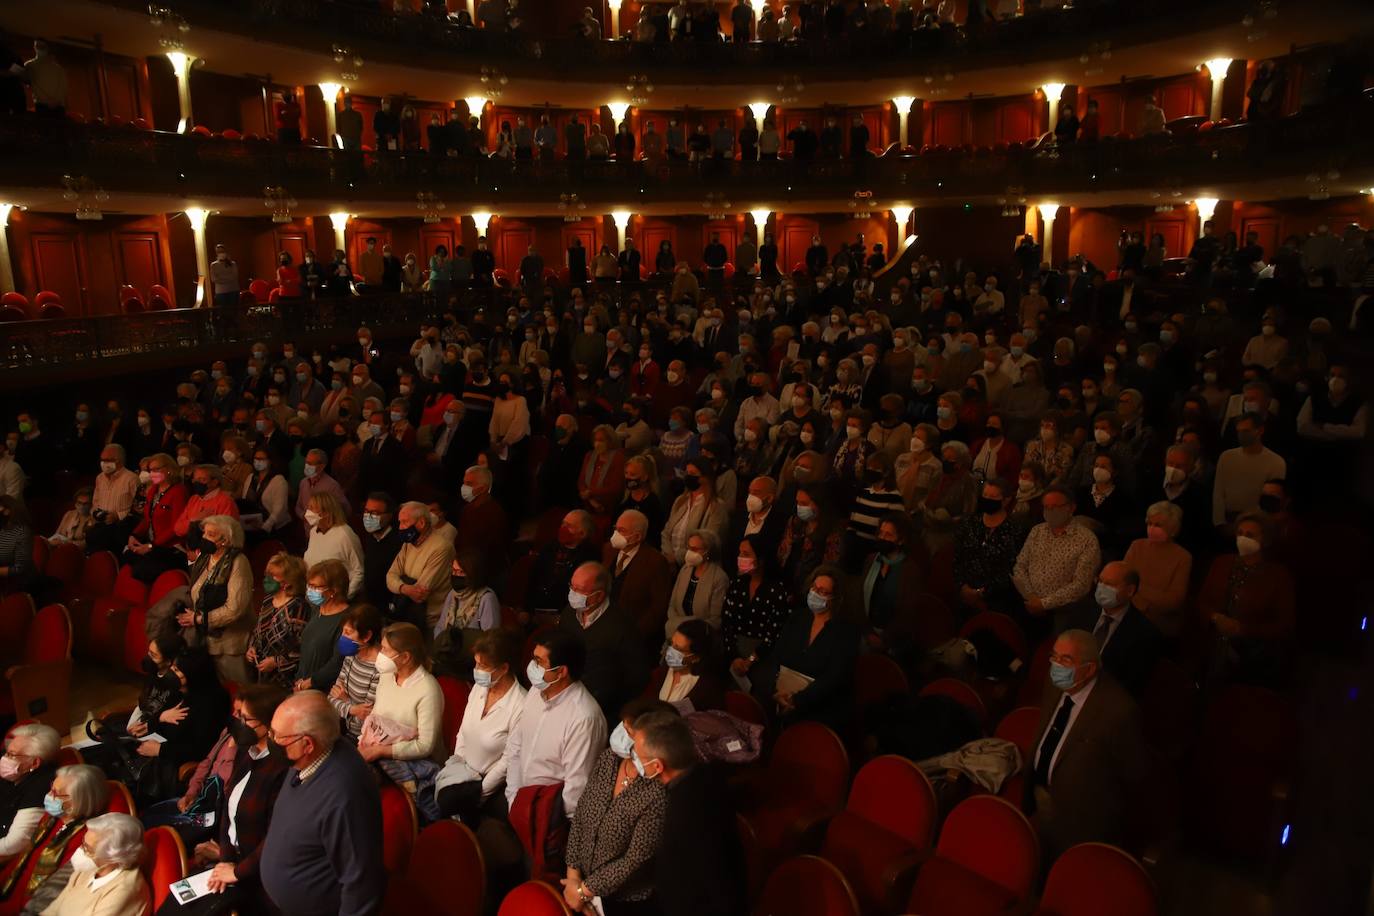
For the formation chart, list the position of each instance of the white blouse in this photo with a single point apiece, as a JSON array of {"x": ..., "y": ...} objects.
[{"x": 482, "y": 740}]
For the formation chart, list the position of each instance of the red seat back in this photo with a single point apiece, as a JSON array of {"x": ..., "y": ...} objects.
[
  {"x": 51, "y": 311},
  {"x": 45, "y": 297},
  {"x": 172, "y": 578},
  {"x": 164, "y": 862},
  {"x": 1019, "y": 727},
  {"x": 894, "y": 794},
  {"x": 16, "y": 617},
  {"x": 877, "y": 677},
  {"x": 13, "y": 313},
  {"x": 991, "y": 837},
  {"x": 455, "y": 702},
  {"x": 1093, "y": 878},
  {"x": 809, "y": 758},
  {"x": 157, "y": 289},
  {"x": 98, "y": 575},
  {"x": 17, "y": 300},
  {"x": 399, "y": 826},
  {"x": 1006, "y": 629},
  {"x": 446, "y": 866},
  {"x": 745, "y": 706},
  {"x": 1037, "y": 674},
  {"x": 65, "y": 562},
  {"x": 41, "y": 549},
  {"x": 49, "y": 638},
  {"x": 129, "y": 589},
  {"x": 121, "y": 799},
  {"x": 259, "y": 289},
  {"x": 960, "y": 691},
  {"x": 533, "y": 898},
  {"x": 807, "y": 886}
]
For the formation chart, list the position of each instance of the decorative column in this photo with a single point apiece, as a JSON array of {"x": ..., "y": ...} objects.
[
  {"x": 1053, "y": 93},
  {"x": 181, "y": 67},
  {"x": 903, "y": 105},
  {"x": 339, "y": 220},
  {"x": 760, "y": 225},
  {"x": 1216, "y": 69},
  {"x": 900, "y": 215},
  {"x": 6, "y": 265},
  {"x": 196, "y": 217},
  {"x": 330, "y": 91},
  {"x": 1047, "y": 213},
  {"x": 622, "y": 226},
  {"x": 615, "y": 18}
]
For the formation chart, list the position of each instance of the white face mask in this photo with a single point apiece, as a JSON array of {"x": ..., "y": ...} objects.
[
  {"x": 81, "y": 861},
  {"x": 385, "y": 664}
]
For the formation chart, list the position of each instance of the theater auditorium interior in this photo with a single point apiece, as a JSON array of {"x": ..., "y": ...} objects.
[{"x": 686, "y": 457}]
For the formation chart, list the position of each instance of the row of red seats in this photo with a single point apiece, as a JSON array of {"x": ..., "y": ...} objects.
[{"x": 16, "y": 306}]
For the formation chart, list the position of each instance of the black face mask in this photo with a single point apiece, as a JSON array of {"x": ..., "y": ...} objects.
[
  {"x": 633, "y": 484},
  {"x": 1062, "y": 403},
  {"x": 198, "y": 488},
  {"x": 242, "y": 732},
  {"x": 887, "y": 548},
  {"x": 409, "y": 535},
  {"x": 460, "y": 583},
  {"x": 992, "y": 432},
  {"x": 149, "y": 666},
  {"x": 989, "y": 506},
  {"x": 691, "y": 482},
  {"x": 949, "y": 466},
  {"x": 756, "y": 390},
  {"x": 500, "y": 389},
  {"x": 1268, "y": 502}
]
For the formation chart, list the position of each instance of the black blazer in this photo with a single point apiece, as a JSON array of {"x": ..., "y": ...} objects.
[
  {"x": 616, "y": 669},
  {"x": 1133, "y": 649},
  {"x": 382, "y": 468},
  {"x": 254, "y": 812},
  {"x": 695, "y": 878}
]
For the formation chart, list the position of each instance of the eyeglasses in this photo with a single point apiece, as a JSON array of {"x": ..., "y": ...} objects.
[{"x": 277, "y": 738}]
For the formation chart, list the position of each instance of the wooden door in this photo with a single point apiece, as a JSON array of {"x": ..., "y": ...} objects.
[
  {"x": 357, "y": 242},
  {"x": 291, "y": 241},
  {"x": 1174, "y": 237},
  {"x": 139, "y": 260},
  {"x": 121, "y": 88},
  {"x": 948, "y": 124},
  {"x": 513, "y": 246},
  {"x": 1178, "y": 98},
  {"x": 431, "y": 237},
  {"x": 585, "y": 232},
  {"x": 1015, "y": 121},
  {"x": 1266, "y": 227},
  {"x": 59, "y": 265},
  {"x": 796, "y": 238}
]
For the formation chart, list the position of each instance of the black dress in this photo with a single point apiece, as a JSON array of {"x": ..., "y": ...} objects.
[{"x": 577, "y": 266}]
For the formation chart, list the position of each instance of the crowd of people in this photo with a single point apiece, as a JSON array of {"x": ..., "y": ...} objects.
[{"x": 674, "y": 494}]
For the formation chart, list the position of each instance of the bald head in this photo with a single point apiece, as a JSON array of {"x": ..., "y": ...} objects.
[{"x": 306, "y": 726}]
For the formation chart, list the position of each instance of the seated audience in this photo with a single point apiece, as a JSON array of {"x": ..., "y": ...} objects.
[
  {"x": 810, "y": 670},
  {"x": 1165, "y": 568},
  {"x": 27, "y": 770},
  {"x": 689, "y": 678},
  {"x": 699, "y": 592},
  {"x": 403, "y": 733},
  {"x": 38, "y": 874},
  {"x": 106, "y": 879}
]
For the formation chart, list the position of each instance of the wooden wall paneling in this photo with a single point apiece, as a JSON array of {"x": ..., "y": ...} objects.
[
  {"x": 138, "y": 260},
  {"x": 1015, "y": 121},
  {"x": 1111, "y": 111},
  {"x": 1175, "y": 232},
  {"x": 796, "y": 238},
  {"x": 513, "y": 244},
  {"x": 60, "y": 265},
  {"x": 1179, "y": 98},
  {"x": 122, "y": 87},
  {"x": 949, "y": 124}
]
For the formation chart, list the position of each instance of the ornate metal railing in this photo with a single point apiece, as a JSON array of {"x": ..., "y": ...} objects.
[
  {"x": 421, "y": 40},
  {"x": 37, "y": 152}
]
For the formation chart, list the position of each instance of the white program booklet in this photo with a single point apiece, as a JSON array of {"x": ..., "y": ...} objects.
[{"x": 188, "y": 889}]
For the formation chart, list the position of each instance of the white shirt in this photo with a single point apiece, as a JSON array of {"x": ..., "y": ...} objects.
[
  {"x": 484, "y": 741},
  {"x": 753, "y": 527},
  {"x": 1080, "y": 699},
  {"x": 338, "y": 543},
  {"x": 237, "y": 793},
  {"x": 96, "y": 883},
  {"x": 11, "y": 478},
  {"x": 670, "y": 693},
  {"x": 556, "y": 741}
]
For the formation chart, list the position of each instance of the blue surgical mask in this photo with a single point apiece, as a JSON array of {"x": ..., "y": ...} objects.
[
  {"x": 817, "y": 602},
  {"x": 481, "y": 678},
  {"x": 944, "y": 413},
  {"x": 315, "y": 596},
  {"x": 52, "y": 806},
  {"x": 806, "y": 513},
  {"x": 537, "y": 676},
  {"x": 621, "y": 742},
  {"x": 1106, "y": 595},
  {"x": 1062, "y": 676},
  {"x": 371, "y": 523},
  {"x": 674, "y": 658},
  {"x": 346, "y": 647}
]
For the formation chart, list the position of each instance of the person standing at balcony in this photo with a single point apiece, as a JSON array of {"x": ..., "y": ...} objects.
[
  {"x": 437, "y": 133},
  {"x": 371, "y": 264},
  {"x": 386, "y": 126},
  {"x": 545, "y": 139},
  {"x": 715, "y": 257},
  {"x": 831, "y": 138},
  {"x": 741, "y": 21},
  {"x": 47, "y": 81},
  {"x": 575, "y": 138},
  {"x": 391, "y": 270},
  {"x": 288, "y": 120},
  {"x": 817, "y": 257},
  {"x": 1090, "y": 127},
  {"x": 1066, "y": 131},
  {"x": 770, "y": 141},
  {"x": 749, "y": 140},
  {"x": 746, "y": 256},
  {"x": 349, "y": 125},
  {"x": 224, "y": 278},
  {"x": 679, "y": 20},
  {"x": 339, "y": 276},
  {"x": 625, "y": 145},
  {"x": 768, "y": 259},
  {"x": 598, "y": 147},
  {"x": 483, "y": 264},
  {"x": 491, "y": 14},
  {"x": 532, "y": 271},
  {"x": 524, "y": 141},
  {"x": 629, "y": 262},
  {"x": 440, "y": 274},
  {"x": 410, "y": 129},
  {"x": 676, "y": 140},
  {"x": 803, "y": 141}
]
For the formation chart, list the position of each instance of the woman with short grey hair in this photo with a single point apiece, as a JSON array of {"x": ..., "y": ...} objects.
[
  {"x": 78, "y": 793},
  {"x": 1165, "y": 568},
  {"x": 701, "y": 583},
  {"x": 105, "y": 877},
  {"x": 221, "y": 614}
]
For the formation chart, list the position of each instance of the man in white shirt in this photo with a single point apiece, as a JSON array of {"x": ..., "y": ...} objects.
[
  {"x": 113, "y": 499},
  {"x": 760, "y": 404},
  {"x": 11, "y": 474},
  {"x": 561, "y": 730},
  {"x": 991, "y": 301},
  {"x": 1242, "y": 471},
  {"x": 1057, "y": 566}
]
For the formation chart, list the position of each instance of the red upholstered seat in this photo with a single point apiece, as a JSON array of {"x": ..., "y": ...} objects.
[
  {"x": 960, "y": 691},
  {"x": 455, "y": 702},
  {"x": 131, "y": 306},
  {"x": 45, "y": 297},
  {"x": 121, "y": 799},
  {"x": 533, "y": 898},
  {"x": 987, "y": 859},
  {"x": 108, "y": 614},
  {"x": 135, "y": 627},
  {"x": 807, "y": 886},
  {"x": 1094, "y": 878},
  {"x": 1006, "y": 629},
  {"x": 51, "y": 311},
  {"x": 1019, "y": 727},
  {"x": 446, "y": 875},
  {"x": 399, "y": 826},
  {"x": 1037, "y": 674},
  {"x": 804, "y": 782},
  {"x": 16, "y": 614},
  {"x": 877, "y": 677},
  {"x": 259, "y": 289},
  {"x": 1169, "y": 709},
  {"x": 164, "y": 862},
  {"x": 745, "y": 706},
  {"x": 200, "y": 130},
  {"x": 12, "y": 313},
  {"x": 17, "y": 300},
  {"x": 41, "y": 549},
  {"x": 875, "y": 841},
  {"x": 98, "y": 573},
  {"x": 231, "y": 134}
]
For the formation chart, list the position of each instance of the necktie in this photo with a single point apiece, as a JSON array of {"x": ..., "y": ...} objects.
[
  {"x": 620, "y": 566},
  {"x": 1051, "y": 742},
  {"x": 1103, "y": 630}
]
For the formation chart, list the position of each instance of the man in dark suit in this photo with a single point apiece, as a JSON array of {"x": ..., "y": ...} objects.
[
  {"x": 1089, "y": 757},
  {"x": 383, "y": 462},
  {"x": 760, "y": 518},
  {"x": 272, "y": 438},
  {"x": 691, "y": 878},
  {"x": 1127, "y": 641},
  {"x": 482, "y": 524},
  {"x": 617, "y": 667},
  {"x": 1192, "y": 497},
  {"x": 641, "y": 579}
]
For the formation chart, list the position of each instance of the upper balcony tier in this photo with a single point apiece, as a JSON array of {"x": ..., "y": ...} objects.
[
  {"x": 367, "y": 46},
  {"x": 1329, "y": 149}
]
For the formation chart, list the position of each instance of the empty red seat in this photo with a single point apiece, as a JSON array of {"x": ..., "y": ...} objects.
[
  {"x": 64, "y": 562},
  {"x": 104, "y": 628},
  {"x": 1003, "y": 627},
  {"x": 807, "y": 886},
  {"x": 12, "y": 313},
  {"x": 142, "y": 124},
  {"x": 45, "y": 297},
  {"x": 51, "y": 311},
  {"x": 400, "y": 823},
  {"x": 231, "y": 134},
  {"x": 533, "y": 898},
  {"x": 986, "y": 861},
  {"x": 803, "y": 783},
  {"x": 259, "y": 289},
  {"x": 16, "y": 614},
  {"x": 164, "y": 862},
  {"x": 1020, "y": 727},
  {"x": 455, "y": 702},
  {"x": 446, "y": 874},
  {"x": 887, "y": 823},
  {"x": 746, "y": 707},
  {"x": 1094, "y": 878},
  {"x": 957, "y": 690},
  {"x": 41, "y": 549},
  {"x": 18, "y": 300},
  {"x": 39, "y": 686},
  {"x": 200, "y": 130}
]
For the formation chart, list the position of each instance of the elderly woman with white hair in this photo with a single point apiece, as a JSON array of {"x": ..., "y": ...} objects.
[
  {"x": 951, "y": 497},
  {"x": 39, "y": 874},
  {"x": 699, "y": 591},
  {"x": 1164, "y": 567},
  {"x": 27, "y": 771},
  {"x": 220, "y": 617},
  {"x": 105, "y": 878}
]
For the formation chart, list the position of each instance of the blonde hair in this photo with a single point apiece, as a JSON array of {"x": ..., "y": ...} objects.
[
  {"x": 328, "y": 508},
  {"x": 292, "y": 576},
  {"x": 406, "y": 637}
]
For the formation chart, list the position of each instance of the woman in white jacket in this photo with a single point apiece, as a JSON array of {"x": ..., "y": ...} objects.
[{"x": 701, "y": 584}]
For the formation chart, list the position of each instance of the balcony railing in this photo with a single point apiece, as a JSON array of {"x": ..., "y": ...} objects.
[
  {"x": 37, "y": 152},
  {"x": 426, "y": 41}
]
